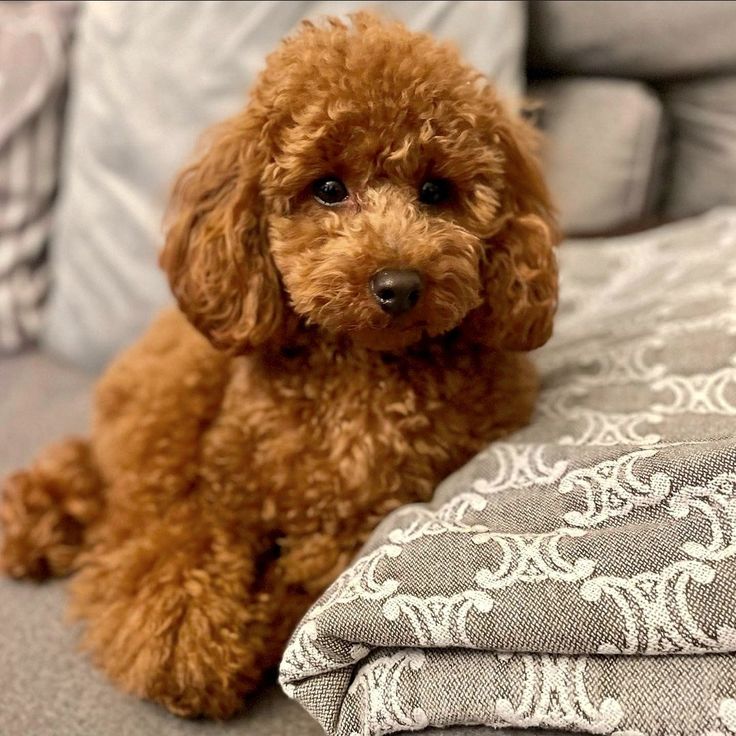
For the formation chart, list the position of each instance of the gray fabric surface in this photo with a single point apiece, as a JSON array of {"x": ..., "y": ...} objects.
[
  {"x": 531, "y": 590},
  {"x": 148, "y": 78},
  {"x": 666, "y": 125},
  {"x": 604, "y": 151},
  {"x": 640, "y": 39},
  {"x": 47, "y": 688},
  {"x": 702, "y": 169}
]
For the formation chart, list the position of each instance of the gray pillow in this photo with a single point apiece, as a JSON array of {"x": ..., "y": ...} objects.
[
  {"x": 648, "y": 39},
  {"x": 703, "y": 158},
  {"x": 148, "y": 78},
  {"x": 603, "y": 153}
]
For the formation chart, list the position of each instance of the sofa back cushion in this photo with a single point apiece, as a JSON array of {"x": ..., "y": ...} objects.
[
  {"x": 641, "y": 39},
  {"x": 604, "y": 151},
  {"x": 641, "y": 115},
  {"x": 702, "y": 159}
]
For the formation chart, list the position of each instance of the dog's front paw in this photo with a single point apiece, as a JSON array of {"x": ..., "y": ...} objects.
[
  {"x": 180, "y": 637},
  {"x": 45, "y": 511},
  {"x": 39, "y": 540}
]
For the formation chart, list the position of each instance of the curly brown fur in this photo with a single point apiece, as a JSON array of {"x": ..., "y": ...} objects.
[
  {"x": 47, "y": 510},
  {"x": 233, "y": 472}
]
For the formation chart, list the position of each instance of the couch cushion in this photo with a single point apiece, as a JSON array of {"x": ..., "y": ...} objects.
[
  {"x": 702, "y": 169},
  {"x": 646, "y": 39},
  {"x": 41, "y": 399},
  {"x": 604, "y": 151},
  {"x": 149, "y": 77}
]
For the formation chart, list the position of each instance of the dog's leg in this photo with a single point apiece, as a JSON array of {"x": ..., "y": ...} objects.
[
  {"x": 46, "y": 510},
  {"x": 173, "y": 613},
  {"x": 311, "y": 562}
]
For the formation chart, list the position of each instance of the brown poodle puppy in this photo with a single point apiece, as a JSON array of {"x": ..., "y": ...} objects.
[{"x": 365, "y": 253}]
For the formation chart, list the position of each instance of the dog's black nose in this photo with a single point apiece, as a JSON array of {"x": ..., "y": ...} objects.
[{"x": 397, "y": 290}]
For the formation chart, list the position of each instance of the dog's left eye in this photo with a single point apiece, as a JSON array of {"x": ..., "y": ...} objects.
[
  {"x": 329, "y": 190},
  {"x": 434, "y": 191}
]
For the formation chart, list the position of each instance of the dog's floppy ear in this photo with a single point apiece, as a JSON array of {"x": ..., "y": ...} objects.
[
  {"x": 520, "y": 269},
  {"x": 216, "y": 251}
]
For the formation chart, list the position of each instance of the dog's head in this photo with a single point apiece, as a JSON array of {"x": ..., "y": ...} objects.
[{"x": 373, "y": 187}]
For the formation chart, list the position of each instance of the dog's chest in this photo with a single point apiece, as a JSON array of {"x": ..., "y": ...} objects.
[{"x": 330, "y": 436}]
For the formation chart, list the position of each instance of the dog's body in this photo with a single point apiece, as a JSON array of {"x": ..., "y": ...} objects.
[{"x": 230, "y": 478}]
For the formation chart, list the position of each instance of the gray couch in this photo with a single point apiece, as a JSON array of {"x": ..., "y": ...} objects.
[{"x": 673, "y": 98}]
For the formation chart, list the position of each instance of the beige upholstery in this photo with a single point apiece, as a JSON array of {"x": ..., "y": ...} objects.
[
  {"x": 703, "y": 152},
  {"x": 642, "y": 39},
  {"x": 627, "y": 73},
  {"x": 604, "y": 150}
]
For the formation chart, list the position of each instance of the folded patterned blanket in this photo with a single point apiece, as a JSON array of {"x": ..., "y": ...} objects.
[{"x": 580, "y": 576}]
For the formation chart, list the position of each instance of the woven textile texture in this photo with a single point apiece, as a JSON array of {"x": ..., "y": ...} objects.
[{"x": 580, "y": 576}]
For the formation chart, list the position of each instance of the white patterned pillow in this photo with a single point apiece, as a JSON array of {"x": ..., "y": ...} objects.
[{"x": 33, "y": 65}]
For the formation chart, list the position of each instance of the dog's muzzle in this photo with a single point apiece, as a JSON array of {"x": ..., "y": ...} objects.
[{"x": 397, "y": 291}]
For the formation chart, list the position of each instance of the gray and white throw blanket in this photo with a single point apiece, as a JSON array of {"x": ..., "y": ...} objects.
[{"x": 580, "y": 576}]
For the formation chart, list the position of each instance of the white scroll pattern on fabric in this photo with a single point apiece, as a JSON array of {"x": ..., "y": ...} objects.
[
  {"x": 531, "y": 558},
  {"x": 439, "y": 620},
  {"x": 518, "y": 466},
  {"x": 595, "y": 427},
  {"x": 554, "y": 695},
  {"x": 362, "y": 583},
  {"x": 716, "y": 502},
  {"x": 655, "y": 612},
  {"x": 623, "y": 364},
  {"x": 612, "y": 489},
  {"x": 712, "y": 393},
  {"x": 379, "y": 685},
  {"x": 305, "y": 654}
]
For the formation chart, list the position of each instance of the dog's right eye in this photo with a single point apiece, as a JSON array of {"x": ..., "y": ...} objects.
[{"x": 329, "y": 191}]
